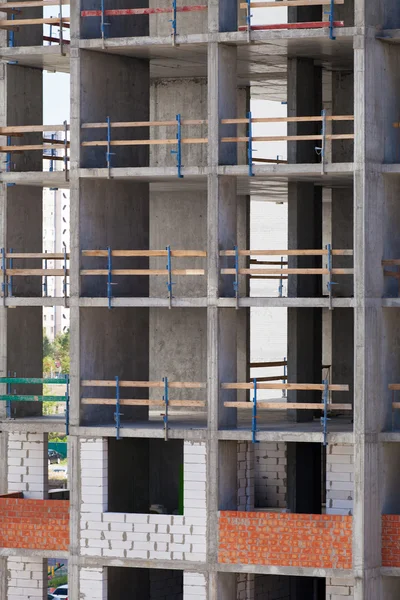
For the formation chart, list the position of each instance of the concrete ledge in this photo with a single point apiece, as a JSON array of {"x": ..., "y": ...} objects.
[
  {"x": 299, "y": 571},
  {"x": 37, "y": 553}
]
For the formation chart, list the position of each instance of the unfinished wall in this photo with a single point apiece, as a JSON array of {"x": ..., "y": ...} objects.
[
  {"x": 245, "y": 476},
  {"x": 26, "y": 578},
  {"x": 93, "y": 583},
  {"x": 148, "y": 536},
  {"x": 339, "y": 479},
  {"x": 339, "y": 589},
  {"x": 28, "y": 464},
  {"x": 194, "y": 586},
  {"x": 270, "y": 475}
]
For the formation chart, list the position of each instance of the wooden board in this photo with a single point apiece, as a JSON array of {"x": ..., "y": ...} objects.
[
  {"x": 310, "y": 119},
  {"x": 259, "y": 365},
  {"x": 279, "y": 3},
  {"x": 43, "y": 255},
  {"x": 287, "y": 406},
  {"x": 144, "y": 402},
  {"x": 31, "y": 129},
  {"x": 118, "y": 124},
  {"x": 286, "y": 252},
  {"x": 33, "y": 4},
  {"x": 285, "y": 386},
  {"x": 136, "y": 272},
  {"x": 394, "y": 386},
  {"x": 288, "y": 271},
  {"x": 41, "y": 272},
  {"x": 147, "y": 253},
  {"x": 190, "y": 385},
  {"x": 46, "y": 21}
]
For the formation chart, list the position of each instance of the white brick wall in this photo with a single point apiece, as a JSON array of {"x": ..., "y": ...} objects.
[
  {"x": 270, "y": 475},
  {"x": 245, "y": 475},
  {"x": 27, "y": 464},
  {"x": 339, "y": 589},
  {"x": 93, "y": 584},
  {"x": 142, "y": 536},
  {"x": 194, "y": 586},
  {"x": 339, "y": 479},
  {"x": 26, "y": 578}
]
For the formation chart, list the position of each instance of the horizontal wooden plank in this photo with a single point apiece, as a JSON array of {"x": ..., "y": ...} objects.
[
  {"x": 288, "y": 271},
  {"x": 290, "y": 138},
  {"x": 286, "y": 252},
  {"x": 263, "y": 365},
  {"x": 394, "y": 386},
  {"x": 272, "y": 378},
  {"x": 137, "y": 272},
  {"x": 279, "y": 3},
  {"x": 43, "y": 255},
  {"x": 261, "y": 405},
  {"x": 33, "y": 4},
  {"x": 127, "y": 124},
  {"x": 38, "y": 272},
  {"x": 395, "y": 405},
  {"x": 176, "y": 385},
  {"x": 123, "y": 12},
  {"x": 45, "y": 21},
  {"x": 301, "y": 25},
  {"x": 285, "y": 386},
  {"x": 166, "y": 142},
  {"x": 310, "y": 119},
  {"x": 31, "y": 129},
  {"x": 29, "y": 147},
  {"x": 146, "y": 253},
  {"x": 275, "y": 263},
  {"x": 391, "y": 262},
  {"x": 144, "y": 402}
]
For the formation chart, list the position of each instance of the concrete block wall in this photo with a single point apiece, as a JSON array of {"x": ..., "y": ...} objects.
[
  {"x": 194, "y": 586},
  {"x": 270, "y": 475},
  {"x": 245, "y": 586},
  {"x": 165, "y": 585},
  {"x": 28, "y": 464},
  {"x": 339, "y": 479},
  {"x": 142, "y": 536},
  {"x": 93, "y": 583},
  {"x": 339, "y": 589},
  {"x": 245, "y": 476},
  {"x": 26, "y": 578}
]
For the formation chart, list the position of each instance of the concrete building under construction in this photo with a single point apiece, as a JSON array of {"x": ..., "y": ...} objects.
[{"x": 198, "y": 470}]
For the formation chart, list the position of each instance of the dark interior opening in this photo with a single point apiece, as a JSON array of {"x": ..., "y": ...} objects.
[
  {"x": 144, "y": 584},
  {"x": 145, "y": 476}
]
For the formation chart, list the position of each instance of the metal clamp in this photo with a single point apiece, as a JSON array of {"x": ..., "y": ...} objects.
[
  {"x": 254, "y": 414},
  {"x": 250, "y": 146},
  {"x": 178, "y": 151},
  {"x": 173, "y": 23},
  {"x": 166, "y": 401},
  {"x": 170, "y": 283},
  {"x": 117, "y": 414},
  {"x": 324, "y": 419},
  {"x": 67, "y": 405}
]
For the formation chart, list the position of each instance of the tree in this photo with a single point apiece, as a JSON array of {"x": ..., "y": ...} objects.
[
  {"x": 56, "y": 354},
  {"x": 47, "y": 346}
]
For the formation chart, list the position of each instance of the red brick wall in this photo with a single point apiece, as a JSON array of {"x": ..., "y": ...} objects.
[
  {"x": 391, "y": 541},
  {"x": 34, "y": 524},
  {"x": 287, "y": 540}
]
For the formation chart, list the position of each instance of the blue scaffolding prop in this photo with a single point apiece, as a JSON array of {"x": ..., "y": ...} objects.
[
  {"x": 52, "y": 152},
  {"x": 178, "y": 151},
  {"x": 65, "y": 276},
  {"x": 173, "y": 23},
  {"x": 117, "y": 414},
  {"x": 166, "y": 401},
  {"x": 250, "y": 146},
  {"x": 11, "y": 37},
  {"x": 67, "y": 405},
  {"x": 248, "y": 20},
  {"x": 330, "y": 283},
  {"x": 331, "y": 20},
  {"x": 170, "y": 283},
  {"x": 10, "y": 279},
  {"x": 254, "y": 414},
  {"x": 103, "y": 22},
  {"x": 8, "y": 155},
  {"x": 109, "y": 154},
  {"x": 280, "y": 288},
  {"x": 109, "y": 277},
  {"x": 284, "y": 380},
  {"x": 324, "y": 419},
  {"x": 236, "y": 280},
  {"x": 45, "y": 289}
]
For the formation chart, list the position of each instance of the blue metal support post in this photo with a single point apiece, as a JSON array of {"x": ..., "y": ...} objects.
[
  {"x": 4, "y": 269},
  {"x": 109, "y": 154},
  {"x": 280, "y": 288},
  {"x": 117, "y": 414},
  {"x": 45, "y": 278},
  {"x": 166, "y": 401},
  {"x": 330, "y": 283},
  {"x": 250, "y": 146},
  {"x": 236, "y": 281},
  {"x": 173, "y": 23},
  {"x": 254, "y": 415},
  {"x": 248, "y": 20},
  {"x": 178, "y": 151},
  {"x": 324, "y": 419},
  {"x": 103, "y": 23},
  {"x": 10, "y": 279},
  {"x": 170, "y": 283},
  {"x": 331, "y": 19},
  {"x": 109, "y": 276},
  {"x": 284, "y": 380},
  {"x": 11, "y": 37},
  {"x": 67, "y": 405},
  {"x": 65, "y": 276}
]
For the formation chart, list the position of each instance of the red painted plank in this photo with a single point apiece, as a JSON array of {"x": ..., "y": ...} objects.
[
  {"x": 141, "y": 11},
  {"x": 305, "y": 25}
]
